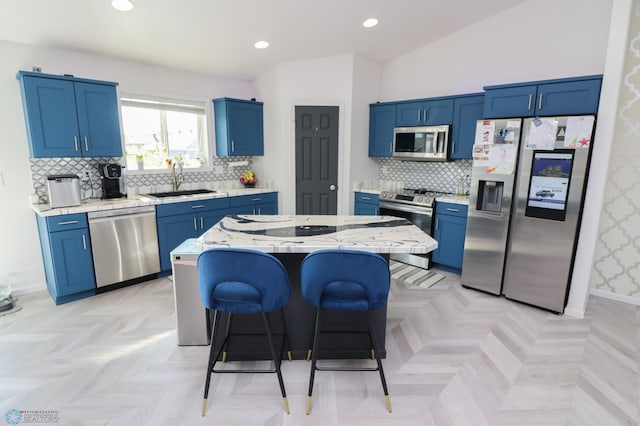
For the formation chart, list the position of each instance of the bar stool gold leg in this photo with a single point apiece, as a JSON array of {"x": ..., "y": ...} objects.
[
  {"x": 289, "y": 356},
  {"x": 308, "y": 410},
  {"x": 309, "y": 355},
  {"x": 286, "y": 404},
  {"x": 373, "y": 354},
  {"x": 224, "y": 356},
  {"x": 204, "y": 407},
  {"x": 386, "y": 397}
]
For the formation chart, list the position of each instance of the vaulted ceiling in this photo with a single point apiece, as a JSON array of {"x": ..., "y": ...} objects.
[{"x": 217, "y": 37}]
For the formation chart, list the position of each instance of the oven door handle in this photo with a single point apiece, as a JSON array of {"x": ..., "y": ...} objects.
[{"x": 408, "y": 209}]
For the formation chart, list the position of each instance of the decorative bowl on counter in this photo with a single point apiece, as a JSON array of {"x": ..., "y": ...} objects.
[{"x": 248, "y": 179}]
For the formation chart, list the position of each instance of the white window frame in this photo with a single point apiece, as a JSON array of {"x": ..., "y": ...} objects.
[{"x": 190, "y": 103}]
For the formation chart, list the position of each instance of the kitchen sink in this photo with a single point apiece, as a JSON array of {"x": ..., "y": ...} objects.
[{"x": 179, "y": 193}]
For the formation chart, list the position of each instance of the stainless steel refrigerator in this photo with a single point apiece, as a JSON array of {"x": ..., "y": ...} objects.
[{"x": 543, "y": 218}]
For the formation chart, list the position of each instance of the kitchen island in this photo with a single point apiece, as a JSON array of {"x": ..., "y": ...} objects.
[{"x": 290, "y": 238}]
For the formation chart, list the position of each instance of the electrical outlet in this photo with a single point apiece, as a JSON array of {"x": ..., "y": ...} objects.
[{"x": 218, "y": 170}]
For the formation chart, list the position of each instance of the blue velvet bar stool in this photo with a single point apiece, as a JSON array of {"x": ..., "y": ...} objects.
[
  {"x": 345, "y": 280},
  {"x": 240, "y": 281}
]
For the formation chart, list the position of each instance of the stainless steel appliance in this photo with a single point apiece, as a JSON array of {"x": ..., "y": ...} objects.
[
  {"x": 124, "y": 243},
  {"x": 550, "y": 175},
  {"x": 426, "y": 143},
  {"x": 545, "y": 223},
  {"x": 114, "y": 180},
  {"x": 416, "y": 205},
  {"x": 63, "y": 190},
  {"x": 490, "y": 204}
]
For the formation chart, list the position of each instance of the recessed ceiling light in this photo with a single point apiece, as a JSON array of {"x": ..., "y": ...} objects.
[
  {"x": 123, "y": 5},
  {"x": 371, "y": 22},
  {"x": 261, "y": 44}
]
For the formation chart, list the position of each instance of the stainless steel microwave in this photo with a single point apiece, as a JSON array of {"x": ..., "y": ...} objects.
[{"x": 425, "y": 143}]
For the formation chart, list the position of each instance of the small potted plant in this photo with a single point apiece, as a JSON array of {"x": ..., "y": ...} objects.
[{"x": 140, "y": 161}]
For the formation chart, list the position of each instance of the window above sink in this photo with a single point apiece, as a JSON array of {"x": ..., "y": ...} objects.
[{"x": 160, "y": 132}]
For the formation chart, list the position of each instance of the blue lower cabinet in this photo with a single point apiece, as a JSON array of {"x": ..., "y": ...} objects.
[
  {"x": 67, "y": 258},
  {"x": 366, "y": 204},
  {"x": 449, "y": 230},
  {"x": 265, "y": 203},
  {"x": 177, "y": 222}
]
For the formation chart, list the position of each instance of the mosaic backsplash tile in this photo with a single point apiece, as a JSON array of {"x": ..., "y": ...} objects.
[
  {"x": 148, "y": 181},
  {"x": 434, "y": 176}
]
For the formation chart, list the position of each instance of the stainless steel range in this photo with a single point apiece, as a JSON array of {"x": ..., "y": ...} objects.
[{"x": 415, "y": 205}]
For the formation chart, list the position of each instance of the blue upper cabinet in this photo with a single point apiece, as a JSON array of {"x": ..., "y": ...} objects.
[
  {"x": 382, "y": 120},
  {"x": 69, "y": 117},
  {"x": 466, "y": 111},
  {"x": 424, "y": 113},
  {"x": 239, "y": 127},
  {"x": 569, "y": 96}
]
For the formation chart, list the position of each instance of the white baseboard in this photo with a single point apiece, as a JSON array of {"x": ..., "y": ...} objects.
[
  {"x": 615, "y": 296},
  {"x": 574, "y": 313}
]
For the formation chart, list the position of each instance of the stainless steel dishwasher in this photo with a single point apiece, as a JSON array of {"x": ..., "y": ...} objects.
[{"x": 124, "y": 243}]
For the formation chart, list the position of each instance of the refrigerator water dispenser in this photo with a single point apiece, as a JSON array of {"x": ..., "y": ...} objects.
[{"x": 490, "y": 196}]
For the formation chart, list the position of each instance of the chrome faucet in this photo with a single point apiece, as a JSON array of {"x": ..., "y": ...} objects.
[{"x": 177, "y": 179}]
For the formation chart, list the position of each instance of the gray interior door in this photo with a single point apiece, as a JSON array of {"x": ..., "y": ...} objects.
[{"x": 316, "y": 159}]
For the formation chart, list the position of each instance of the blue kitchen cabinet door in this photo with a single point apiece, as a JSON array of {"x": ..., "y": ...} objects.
[
  {"x": 67, "y": 118},
  {"x": 569, "y": 98},
  {"x": 382, "y": 121},
  {"x": 467, "y": 111},
  {"x": 50, "y": 113},
  {"x": 424, "y": 113},
  {"x": 449, "y": 230},
  {"x": 172, "y": 231},
  {"x": 510, "y": 102},
  {"x": 366, "y": 204},
  {"x": 552, "y": 98},
  {"x": 207, "y": 219},
  {"x": 72, "y": 266},
  {"x": 98, "y": 120},
  {"x": 238, "y": 127}
]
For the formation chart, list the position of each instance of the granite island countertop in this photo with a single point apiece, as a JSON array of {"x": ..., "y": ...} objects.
[{"x": 304, "y": 234}]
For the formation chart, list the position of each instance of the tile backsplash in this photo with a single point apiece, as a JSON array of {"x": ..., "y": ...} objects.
[
  {"x": 148, "y": 181},
  {"x": 434, "y": 176}
]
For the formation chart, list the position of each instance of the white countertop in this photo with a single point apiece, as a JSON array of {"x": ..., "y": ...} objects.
[
  {"x": 304, "y": 234},
  {"x": 93, "y": 205}
]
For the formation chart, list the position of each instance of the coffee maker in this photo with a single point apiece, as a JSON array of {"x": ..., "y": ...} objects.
[{"x": 114, "y": 180}]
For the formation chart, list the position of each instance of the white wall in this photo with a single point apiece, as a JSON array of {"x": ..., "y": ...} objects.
[
  {"x": 321, "y": 81},
  {"x": 536, "y": 40},
  {"x": 20, "y": 257}
]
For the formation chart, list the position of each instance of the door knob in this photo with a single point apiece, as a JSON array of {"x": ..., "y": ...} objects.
[{"x": 332, "y": 187}]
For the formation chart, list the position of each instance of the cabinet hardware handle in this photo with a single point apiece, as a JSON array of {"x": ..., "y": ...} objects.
[
  {"x": 437, "y": 223},
  {"x": 419, "y": 112},
  {"x": 530, "y": 99},
  {"x": 197, "y": 206},
  {"x": 453, "y": 146},
  {"x": 540, "y": 101},
  {"x": 75, "y": 143},
  {"x": 424, "y": 115},
  {"x": 366, "y": 198},
  {"x": 195, "y": 223},
  {"x": 233, "y": 146},
  {"x": 84, "y": 242},
  {"x": 201, "y": 223},
  {"x": 453, "y": 210},
  {"x": 86, "y": 144},
  {"x": 259, "y": 211},
  {"x": 256, "y": 199},
  {"x": 68, "y": 222}
]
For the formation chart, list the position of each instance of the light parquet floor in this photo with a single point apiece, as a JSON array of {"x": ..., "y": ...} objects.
[{"x": 454, "y": 357}]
